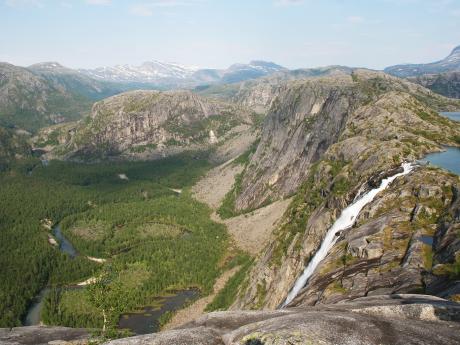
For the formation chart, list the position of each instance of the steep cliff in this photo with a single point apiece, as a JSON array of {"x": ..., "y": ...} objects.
[
  {"x": 326, "y": 141},
  {"x": 149, "y": 124}
]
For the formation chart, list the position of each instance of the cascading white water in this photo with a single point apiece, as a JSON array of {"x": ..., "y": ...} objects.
[{"x": 346, "y": 220}]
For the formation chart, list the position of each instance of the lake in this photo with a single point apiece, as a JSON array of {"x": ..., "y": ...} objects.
[
  {"x": 448, "y": 159},
  {"x": 452, "y": 115}
]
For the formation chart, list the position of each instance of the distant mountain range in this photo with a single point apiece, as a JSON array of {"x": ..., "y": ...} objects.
[
  {"x": 49, "y": 93},
  {"x": 449, "y": 64},
  {"x": 160, "y": 73}
]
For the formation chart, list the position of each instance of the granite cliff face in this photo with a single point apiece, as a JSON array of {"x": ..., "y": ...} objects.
[
  {"x": 326, "y": 142},
  {"x": 149, "y": 124},
  {"x": 308, "y": 117}
]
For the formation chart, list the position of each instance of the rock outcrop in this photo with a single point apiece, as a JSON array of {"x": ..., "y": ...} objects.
[
  {"x": 40, "y": 335},
  {"x": 151, "y": 124},
  {"x": 383, "y": 320},
  {"x": 309, "y": 116}
]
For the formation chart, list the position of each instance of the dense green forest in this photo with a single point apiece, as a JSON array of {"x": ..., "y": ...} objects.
[{"x": 154, "y": 239}]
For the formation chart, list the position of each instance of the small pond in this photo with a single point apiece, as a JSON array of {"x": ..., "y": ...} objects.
[
  {"x": 448, "y": 159},
  {"x": 147, "y": 319}
]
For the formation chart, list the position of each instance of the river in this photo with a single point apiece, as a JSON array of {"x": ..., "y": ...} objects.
[
  {"x": 64, "y": 244},
  {"x": 33, "y": 313},
  {"x": 147, "y": 321}
]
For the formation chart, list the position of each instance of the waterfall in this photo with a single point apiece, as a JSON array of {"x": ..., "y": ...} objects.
[{"x": 345, "y": 221}]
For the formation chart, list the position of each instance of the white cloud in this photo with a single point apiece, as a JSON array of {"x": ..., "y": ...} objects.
[
  {"x": 355, "y": 19},
  {"x": 98, "y": 2}
]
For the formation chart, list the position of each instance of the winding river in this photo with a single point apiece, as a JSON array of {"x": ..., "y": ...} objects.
[
  {"x": 146, "y": 321},
  {"x": 33, "y": 313}
]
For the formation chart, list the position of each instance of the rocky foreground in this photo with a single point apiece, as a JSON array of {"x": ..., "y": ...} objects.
[
  {"x": 383, "y": 320},
  {"x": 395, "y": 319}
]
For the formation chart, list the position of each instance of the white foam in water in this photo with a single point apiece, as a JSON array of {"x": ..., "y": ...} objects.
[{"x": 345, "y": 221}]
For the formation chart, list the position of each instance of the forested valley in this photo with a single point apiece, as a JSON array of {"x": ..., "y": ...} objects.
[{"x": 138, "y": 218}]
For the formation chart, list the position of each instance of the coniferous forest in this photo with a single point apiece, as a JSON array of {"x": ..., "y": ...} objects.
[{"x": 152, "y": 239}]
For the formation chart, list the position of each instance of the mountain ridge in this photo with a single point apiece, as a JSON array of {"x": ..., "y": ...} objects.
[{"x": 448, "y": 64}]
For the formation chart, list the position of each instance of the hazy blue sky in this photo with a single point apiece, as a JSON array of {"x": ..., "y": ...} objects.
[{"x": 217, "y": 33}]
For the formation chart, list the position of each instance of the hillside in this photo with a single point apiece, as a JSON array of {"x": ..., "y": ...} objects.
[
  {"x": 148, "y": 124},
  {"x": 13, "y": 146},
  {"x": 48, "y": 93}
]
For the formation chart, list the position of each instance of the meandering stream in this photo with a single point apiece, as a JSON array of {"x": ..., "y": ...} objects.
[
  {"x": 33, "y": 314},
  {"x": 346, "y": 220},
  {"x": 146, "y": 321}
]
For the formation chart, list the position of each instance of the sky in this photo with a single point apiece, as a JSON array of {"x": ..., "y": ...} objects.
[{"x": 218, "y": 33}]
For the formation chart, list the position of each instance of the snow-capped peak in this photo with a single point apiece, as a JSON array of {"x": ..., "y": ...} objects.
[{"x": 148, "y": 72}]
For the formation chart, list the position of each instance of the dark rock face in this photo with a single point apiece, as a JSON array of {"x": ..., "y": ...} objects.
[
  {"x": 38, "y": 335},
  {"x": 303, "y": 122},
  {"x": 446, "y": 84},
  {"x": 395, "y": 319}
]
